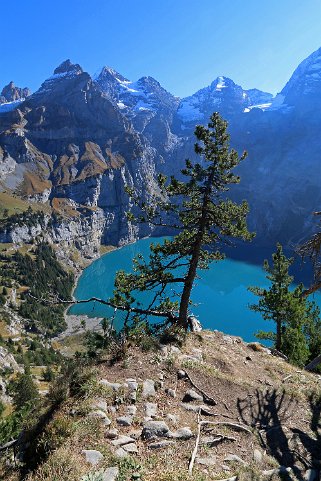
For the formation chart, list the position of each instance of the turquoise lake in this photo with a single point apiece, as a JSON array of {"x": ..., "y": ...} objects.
[{"x": 220, "y": 295}]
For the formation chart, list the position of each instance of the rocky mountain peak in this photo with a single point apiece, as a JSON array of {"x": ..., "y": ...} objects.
[
  {"x": 11, "y": 93},
  {"x": 304, "y": 87},
  {"x": 221, "y": 83},
  {"x": 108, "y": 73},
  {"x": 68, "y": 67}
]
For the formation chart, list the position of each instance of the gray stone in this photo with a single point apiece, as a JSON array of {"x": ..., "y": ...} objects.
[
  {"x": 115, "y": 386},
  {"x": 111, "y": 474},
  {"x": 111, "y": 434},
  {"x": 124, "y": 420},
  {"x": 92, "y": 456},
  {"x": 257, "y": 456},
  {"x": 196, "y": 407},
  {"x": 192, "y": 395},
  {"x": 131, "y": 448},
  {"x": 100, "y": 415},
  {"x": 131, "y": 410},
  {"x": 99, "y": 404},
  {"x": 160, "y": 444},
  {"x": 121, "y": 440},
  {"x": 183, "y": 433},
  {"x": 209, "y": 461},
  {"x": 171, "y": 392},
  {"x": 234, "y": 458},
  {"x": 161, "y": 376},
  {"x": 151, "y": 410},
  {"x": 155, "y": 429},
  {"x": 149, "y": 388},
  {"x": 121, "y": 453},
  {"x": 181, "y": 374},
  {"x": 132, "y": 384}
]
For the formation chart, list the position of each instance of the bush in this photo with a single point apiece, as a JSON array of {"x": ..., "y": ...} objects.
[{"x": 24, "y": 391}]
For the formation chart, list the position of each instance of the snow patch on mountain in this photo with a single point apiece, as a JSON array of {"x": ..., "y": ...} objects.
[{"x": 9, "y": 106}]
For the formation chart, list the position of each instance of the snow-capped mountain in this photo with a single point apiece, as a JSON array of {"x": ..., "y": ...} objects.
[
  {"x": 303, "y": 88},
  {"x": 83, "y": 139},
  {"x": 222, "y": 95}
]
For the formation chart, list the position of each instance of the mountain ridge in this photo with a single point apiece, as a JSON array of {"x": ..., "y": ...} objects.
[{"x": 82, "y": 140}]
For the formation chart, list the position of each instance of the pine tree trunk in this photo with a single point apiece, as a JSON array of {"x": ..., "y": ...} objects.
[
  {"x": 278, "y": 335},
  {"x": 188, "y": 286},
  {"x": 191, "y": 274}
]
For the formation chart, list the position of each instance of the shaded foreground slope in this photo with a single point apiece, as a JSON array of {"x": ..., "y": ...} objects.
[{"x": 140, "y": 416}]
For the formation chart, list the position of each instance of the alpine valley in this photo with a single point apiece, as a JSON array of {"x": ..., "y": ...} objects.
[{"x": 76, "y": 143}]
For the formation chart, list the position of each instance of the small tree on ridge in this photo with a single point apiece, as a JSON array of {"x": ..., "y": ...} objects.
[{"x": 205, "y": 220}]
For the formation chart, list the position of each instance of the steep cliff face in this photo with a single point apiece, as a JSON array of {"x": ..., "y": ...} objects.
[{"x": 69, "y": 143}]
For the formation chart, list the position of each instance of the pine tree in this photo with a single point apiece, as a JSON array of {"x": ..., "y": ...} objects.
[
  {"x": 298, "y": 326},
  {"x": 273, "y": 303},
  {"x": 24, "y": 391},
  {"x": 205, "y": 219}
]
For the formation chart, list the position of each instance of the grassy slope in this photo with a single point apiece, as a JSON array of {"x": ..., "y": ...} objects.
[{"x": 15, "y": 205}]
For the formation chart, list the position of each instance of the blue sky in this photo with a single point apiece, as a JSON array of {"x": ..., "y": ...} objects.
[{"x": 184, "y": 44}]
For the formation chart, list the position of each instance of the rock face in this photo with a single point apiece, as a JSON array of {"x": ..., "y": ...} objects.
[
  {"x": 78, "y": 142},
  {"x": 11, "y": 93}
]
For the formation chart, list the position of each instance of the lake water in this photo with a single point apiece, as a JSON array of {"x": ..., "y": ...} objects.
[{"x": 221, "y": 292}]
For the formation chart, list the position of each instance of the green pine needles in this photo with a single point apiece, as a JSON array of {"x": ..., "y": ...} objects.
[
  {"x": 204, "y": 219},
  {"x": 298, "y": 326}
]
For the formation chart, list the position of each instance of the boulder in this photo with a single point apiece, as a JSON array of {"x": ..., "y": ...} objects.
[{"x": 155, "y": 429}]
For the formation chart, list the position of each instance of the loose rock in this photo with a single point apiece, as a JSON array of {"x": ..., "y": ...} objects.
[
  {"x": 131, "y": 410},
  {"x": 257, "y": 456},
  {"x": 132, "y": 384},
  {"x": 233, "y": 458},
  {"x": 151, "y": 410},
  {"x": 111, "y": 474},
  {"x": 130, "y": 448},
  {"x": 111, "y": 434},
  {"x": 92, "y": 456},
  {"x": 155, "y": 429},
  {"x": 115, "y": 386},
  {"x": 170, "y": 392},
  {"x": 122, "y": 440},
  {"x": 124, "y": 420},
  {"x": 121, "y": 453},
  {"x": 210, "y": 461},
  {"x": 99, "y": 404},
  {"x": 192, "y": 395},
  {"x": 183, "y": 433},
  {"x": 149, "y": 388}
]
